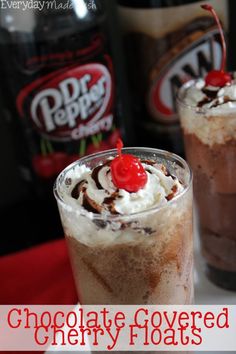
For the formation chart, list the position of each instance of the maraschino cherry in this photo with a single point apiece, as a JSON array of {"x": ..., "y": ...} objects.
[
  {"x": 218, "y": 77},
  {"x": 127, "y": 171}
]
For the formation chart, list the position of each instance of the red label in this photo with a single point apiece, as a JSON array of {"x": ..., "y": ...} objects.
[{"x": 71, "y": 104}]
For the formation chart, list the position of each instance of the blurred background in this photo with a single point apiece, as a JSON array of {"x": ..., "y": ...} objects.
[{"x": 74, "y": 79}]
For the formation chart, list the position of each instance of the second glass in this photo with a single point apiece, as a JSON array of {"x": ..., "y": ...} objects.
[{"x": 210, "y": 145}]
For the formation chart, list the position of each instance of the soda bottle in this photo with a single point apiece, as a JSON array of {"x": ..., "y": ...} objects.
[
  {"x": 58, "y": 89},
  {"x": 167, "y": 42}
]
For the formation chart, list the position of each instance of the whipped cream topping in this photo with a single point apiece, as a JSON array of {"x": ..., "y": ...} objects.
[
  {"x": 94, "y": 191},
  {"x": 96, "y": 213},
  {"x": 208, "y": 112},
  {"x": 212, "y": 98}
]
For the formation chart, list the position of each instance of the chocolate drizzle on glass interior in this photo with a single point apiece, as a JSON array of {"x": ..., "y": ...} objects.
[
  {"x": 129, "y": 247},
  {"x": 208, "y": 119}
]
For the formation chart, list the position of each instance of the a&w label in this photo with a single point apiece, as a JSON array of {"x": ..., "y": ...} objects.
[
  {"x": 194, "y": 61},
  {"x": 71, "y": 104}
]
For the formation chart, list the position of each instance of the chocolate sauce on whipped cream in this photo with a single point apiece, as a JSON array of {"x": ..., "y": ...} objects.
[
  {"x": 95, "y": 192},
  {"x": 210, "y": 97}
]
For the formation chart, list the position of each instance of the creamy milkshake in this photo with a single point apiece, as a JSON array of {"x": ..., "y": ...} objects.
[
  {"x": 129, "y": 247},
  {"x": 207, "y": 109},
  {"x": 208, "y": 118}
]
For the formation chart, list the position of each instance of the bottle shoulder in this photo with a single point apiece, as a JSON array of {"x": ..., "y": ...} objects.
[
  {"x": 55, "y": 18},
  {"x": 154, "y": 3}
]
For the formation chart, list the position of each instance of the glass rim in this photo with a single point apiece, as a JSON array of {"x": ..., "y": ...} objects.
[
  {"x": 114, "y": 217},
  {"x": 200, "y": 110}
]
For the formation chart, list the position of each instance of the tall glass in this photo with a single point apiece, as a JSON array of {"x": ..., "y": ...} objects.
[
  {"x": 142, "y": 258},
  {"x": 210, "y": 145}
]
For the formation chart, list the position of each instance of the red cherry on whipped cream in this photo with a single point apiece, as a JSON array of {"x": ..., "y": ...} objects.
[
  {"x": 127, "y": 171},
  {"x": 218, "y": 78}
]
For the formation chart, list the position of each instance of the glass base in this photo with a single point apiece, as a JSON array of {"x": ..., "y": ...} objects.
[{"x": 222, "y": 278}]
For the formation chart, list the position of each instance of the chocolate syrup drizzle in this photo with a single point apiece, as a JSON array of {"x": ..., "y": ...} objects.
[
  {"x": 94, "y": 175},
  {"x": 77, "y": 189},
  {"x": 91, "y": 205},
  {"x": 212, "y": 95}
]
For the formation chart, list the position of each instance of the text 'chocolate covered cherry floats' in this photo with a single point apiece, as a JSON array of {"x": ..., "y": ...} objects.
[
  {"x": 127, "y": 171},
  {"x": 218, "y": 78}
]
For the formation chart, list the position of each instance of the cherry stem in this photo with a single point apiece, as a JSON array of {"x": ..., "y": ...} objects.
[
  {"x": 95, "y": 141},
  {"x": 43, "y": 147},
  {"x": 100, "y": 137},
  {"x": 119, "y": 146},
  {"x": 82, "y": 147},
  {"x": 49, "y": 146},
  {"x": 211, "y": 9}
]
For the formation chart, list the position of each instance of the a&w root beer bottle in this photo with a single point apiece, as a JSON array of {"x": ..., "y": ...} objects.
[
  {"x": 57, "y": 85},
  {"x": 167, "y": 42}
]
